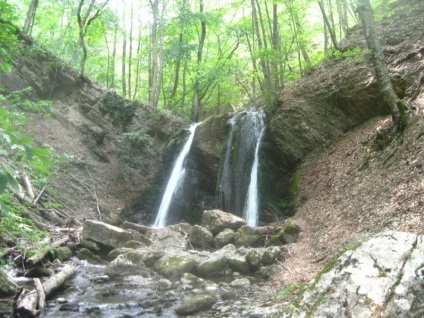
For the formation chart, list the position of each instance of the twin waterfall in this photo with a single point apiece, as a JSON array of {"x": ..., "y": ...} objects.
[
  {"x": 237, "y": 188},
  {"x": 175, "y": 179}
]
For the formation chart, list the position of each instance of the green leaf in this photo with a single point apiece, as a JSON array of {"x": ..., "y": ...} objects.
[
  {"x": 3, "y": 181},
  {"x": 12, "y": 182},
  {"x": 4, "y": 207},
  {"x": 29, "y": 152},
  {"x": 40, "y": 167},
  {"x": 41, "y": 152}
]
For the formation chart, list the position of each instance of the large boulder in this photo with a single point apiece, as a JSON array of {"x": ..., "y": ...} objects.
[
  {"x": 130, "y": 263},
  {"x": 105, "y": 234},
  {"x": 201, "y": 237},
  {"x": 173, "y": 266},
  {"x": 288, "y": 234},
  {"x": 246, "y": 236},
  {"x": 382, "y": 277},
  {"x": 196, "y": 304},
  {"x": 223, "y": 238},
  {"x": 213, "y": 267},
  {"x": 217, "y": 221}
]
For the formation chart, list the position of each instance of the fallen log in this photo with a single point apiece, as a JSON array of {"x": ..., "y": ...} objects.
[
  {"x": 38, "y": 257},
  {"x": 138, "y": 227},
  {"x": 30, "y": 304}
]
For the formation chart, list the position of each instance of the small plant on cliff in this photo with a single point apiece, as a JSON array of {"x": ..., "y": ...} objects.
[{"x": 120, "y": 110}]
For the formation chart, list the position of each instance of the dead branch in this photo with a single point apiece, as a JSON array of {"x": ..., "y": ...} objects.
[
  {"x": 38, "y": 257},
  {"x": 28, "y": 187},
  {"x": 41, "y": 297},
  {"x": 28, "y": 303},
  {"x": 134, "y": 226},
  {"x": 39, "y": 195}
]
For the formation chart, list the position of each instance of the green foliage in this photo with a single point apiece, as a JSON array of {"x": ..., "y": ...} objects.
[
  {"x": 15, "y": 227},
  {"x": 18, "y": 99},
  {"x": 121, "y": 110},
  {"x": 135, "y": 139},
  {"x": 291, "y": 291},
  {"x": 294, "y": 188},
  {"x": 8, "y": 39}
]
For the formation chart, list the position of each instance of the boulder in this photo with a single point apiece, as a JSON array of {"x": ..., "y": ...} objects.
[
  {"x": 216, "y": 266},
  {"x": 164, "y": 284},
  {"x": 201, "y": 237},
  {"x": 7, "y": 287},
  {"x": 381, "y": 277},
  {"x": 240, "y": 283},
  {"x": 246, "y": 236},
  {"x": 87, "y": 255},
  {"x": 223, "y": 238},
  {"x": 253, "y": 257},
  {"x": 217, "y": 221},
  {"x": 239, "y": 263},
  {"x": 196, "y": 304},
  {"x": 63, "y": 253},
  {"x": 190, "y": 281},
  {"x": 270, "y": 255},
  {"x": 174, "y": 266},
  {"x": 127, "y": 264},
  {"x": 105, "y": 234},
  {"x": 288, "y": 234}
]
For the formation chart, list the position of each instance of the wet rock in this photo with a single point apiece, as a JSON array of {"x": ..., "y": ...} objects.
[
  {"x": 7, "y": 287},
  {"x": 239, "y": 263},
  {"x": 241, "y": 283},
  {"x": 211, "y": 287},
  {"x": 135, "y": 244},
  {"x": 118, "y": 251},
  {"x": 105, "y": 234},
  {"x": 216, "y": 221},
  {"x": 190, "y": 281},
  {"x": 101, "y": 279},
  {"x": 228, "y": 295},
  {"x": 223, "y": 238},
  {"x": 246, "y": 236},
  {"x": 39, "y": 271},
  {"x": 87, "y": 255},
  {"x": 180, "y": 227},
  {"x": 196, "y": 304},
  {"x": 288, "y": 234},
  {"x": 63, "y": 253},
  {"x": 215, "y": 266},
  {"x": 127, "y": 264},
  {"x": 175, "y": 265},
  {"x": 201, "y": 237},
  {"x": 164, "y": 284},
  {"x": 253, "y": 257},
  {"x": 91, "y": 245},
  {"x": 69, "y": 307}
]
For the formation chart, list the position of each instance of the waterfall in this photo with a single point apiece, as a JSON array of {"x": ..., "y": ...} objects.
[
  {"x": 174, "y": 181},
  {"x": 250, "y": 213},
  {"x": 238, "y": 179}
]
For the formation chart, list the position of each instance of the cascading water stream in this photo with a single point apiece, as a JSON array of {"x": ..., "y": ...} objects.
[
  {"x": 251, "y": 207},
  {"x": 174, "y": 180}
]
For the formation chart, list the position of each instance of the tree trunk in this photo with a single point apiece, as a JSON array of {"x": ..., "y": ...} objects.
[
  {"x": 328, "y": 24},
  {"x": 342, "y": 18},
  {"x": 396, "y": 106},
  {"x": 155, "y": 65},
  {"x": 195, "y": 114},
  {"x": 30, "y": 18},
  {"x": 130, "y": 49}
]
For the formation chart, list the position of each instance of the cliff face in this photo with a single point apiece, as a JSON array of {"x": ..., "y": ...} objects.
[{"x": 114, "y": 146}]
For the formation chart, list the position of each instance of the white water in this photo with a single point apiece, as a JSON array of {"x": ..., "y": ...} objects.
[
  {"x": 251, "y": 206},
  {"x": 174, "y": 181}
]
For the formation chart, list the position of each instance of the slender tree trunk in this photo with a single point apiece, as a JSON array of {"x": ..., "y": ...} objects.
[
  {"x": 161, "y": 55},
  {"x": 130, "y": 50},
  {"x": 30, "y": 18},
  {"x": 137, "y": 68},
  {"x": 342, "y": 18},
  {"x": 108, "y": 60},
  {"x": 113, "y": 64},
  {"x": 396, "y": 106},
  {"x": 195, "y": 114},
  {"x": 177, "y": 74},
  {"x": 328, "y": 24},
  {"x": 123, "y": 65},
  {"x": 155, "y": 65}
]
